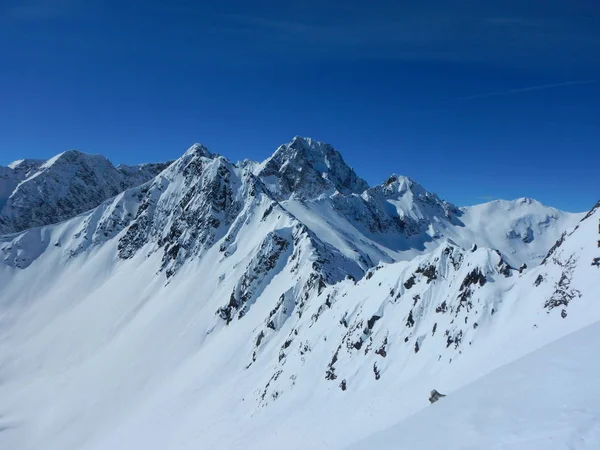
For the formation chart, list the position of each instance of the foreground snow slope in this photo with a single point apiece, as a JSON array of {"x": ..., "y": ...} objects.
[
  {"x": 204, "y": 309},
  {"x": 547, "y": 400}
]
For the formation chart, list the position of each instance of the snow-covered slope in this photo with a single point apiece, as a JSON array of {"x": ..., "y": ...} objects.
[
  {"x": 212, "y": 307},
  {"x": 548, "y": 400},
  {"x": 35, "y": 193}
]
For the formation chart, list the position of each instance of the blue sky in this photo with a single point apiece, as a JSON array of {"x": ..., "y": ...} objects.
[{"x": 475, "y": 100}]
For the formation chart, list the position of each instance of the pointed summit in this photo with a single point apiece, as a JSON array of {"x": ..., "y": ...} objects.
[
  {"x": 198, "y": 150},
  {"x": 402, "y": 202},
  {"x": 403, "y": 188},
  {"x": 306, "y": 168}
]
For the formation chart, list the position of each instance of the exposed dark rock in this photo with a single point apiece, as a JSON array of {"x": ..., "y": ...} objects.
[
  {"x": 428, "y": 272},
  {"x": 330, "y": 373},
  {"x": 381, "y": 351},
  {"x": 474, "y": 277},
  {"x": 557, "y": 244},
  {"x": 591, "y": 212},
  {"x": 371, "y": 322},
  {"x": 434, "y": 396},
  {"x": 563, "y": 292},
  {"x": 410, "y": 282},
  {"x": 259, "y": 338},
  {"x": 442, "y": 308},
  {"x": 376, "y": 371},
  {"x": 343, "y": 321},
  {"x": 454, "y": 339},
  {"x": 273, "y": 378}
]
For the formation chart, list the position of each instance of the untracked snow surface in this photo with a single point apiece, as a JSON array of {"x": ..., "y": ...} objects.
[
  {"x": 548, "y": 400},
  {"x": 286, "y": 304}
]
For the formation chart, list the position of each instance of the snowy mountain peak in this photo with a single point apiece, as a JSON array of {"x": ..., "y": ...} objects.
[
  {"x": 404, "y": 197},
  {"x": 527, "y": 201},
  {"x": 400, "y": 184},
  {"x": 306, "y": 168},
  {"x": 199, "y": 150},
  {"x": 75, "y": 157},
  {"x": 36, "y": 193}
]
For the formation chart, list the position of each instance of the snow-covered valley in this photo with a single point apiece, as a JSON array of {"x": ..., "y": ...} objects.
[{"x": 287, "y": 304}]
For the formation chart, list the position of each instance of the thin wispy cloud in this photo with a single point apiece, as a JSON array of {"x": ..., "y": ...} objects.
[{"x": 540, "y": 87}]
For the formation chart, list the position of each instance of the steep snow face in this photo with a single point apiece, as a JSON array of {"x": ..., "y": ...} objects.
[
  {"x": 35, "y": 193},
  {"x": 306, "y": 168}
]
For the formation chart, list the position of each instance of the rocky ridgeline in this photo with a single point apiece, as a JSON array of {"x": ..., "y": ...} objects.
[{"x": 35, "y": 193}]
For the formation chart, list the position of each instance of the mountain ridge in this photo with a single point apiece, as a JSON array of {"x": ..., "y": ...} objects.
[{"x": 37, "y": 193}]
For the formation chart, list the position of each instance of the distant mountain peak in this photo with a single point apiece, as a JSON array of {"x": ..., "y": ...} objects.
[
  {"x": 405, "y": 188},
  {"x": 307, "y": 168},
  {"x": 73, "y": 154},
  {"x": 402, "y": 184},
  {"x": 35, "y": 193}
]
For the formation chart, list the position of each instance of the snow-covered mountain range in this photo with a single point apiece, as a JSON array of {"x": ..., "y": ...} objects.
[{"x": 286, "y": 303}]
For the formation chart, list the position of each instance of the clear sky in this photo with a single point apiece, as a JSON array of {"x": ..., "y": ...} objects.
[{"x": 476, "y": 100}]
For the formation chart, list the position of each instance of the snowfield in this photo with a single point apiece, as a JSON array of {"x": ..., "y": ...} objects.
[
  {"x": 288, "y": 304},
  {"x": 546, "y": 400}
]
